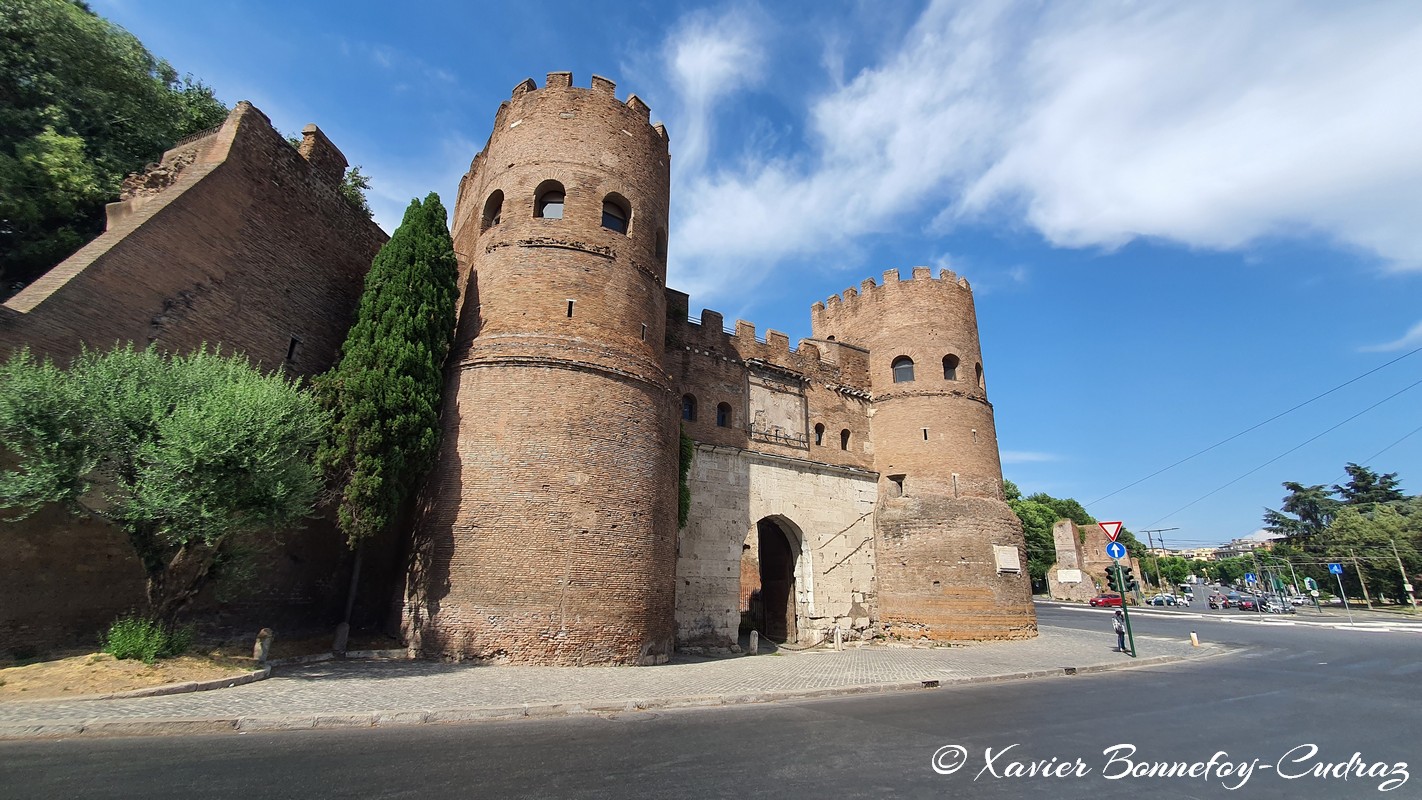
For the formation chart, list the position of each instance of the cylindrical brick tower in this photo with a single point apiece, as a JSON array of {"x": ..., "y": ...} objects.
[
  {"x": 547, "y": 533},
  {"x": 941, "y": 521}
]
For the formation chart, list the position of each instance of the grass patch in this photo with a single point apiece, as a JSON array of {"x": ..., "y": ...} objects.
[{"x": 146, "y": 640}]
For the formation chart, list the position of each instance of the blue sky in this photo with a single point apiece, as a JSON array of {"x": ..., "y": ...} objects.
[{"x": 1180, "y": 219}]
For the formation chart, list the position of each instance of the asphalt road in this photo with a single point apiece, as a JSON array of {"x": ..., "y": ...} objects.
[{"x": 1283, "y": 700}]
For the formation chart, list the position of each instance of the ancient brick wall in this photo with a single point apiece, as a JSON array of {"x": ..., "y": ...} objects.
[
  {"x": 824, "y": 511},
  {"x": 248, "y": 248},
  {"x": 941, "y": 513},
  {"x": 1067, "y": 579},
  {"x": 548, "y": 528},
  {"x": 234, "y": 240}
]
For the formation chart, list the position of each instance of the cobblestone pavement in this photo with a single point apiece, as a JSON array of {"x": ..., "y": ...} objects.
[{"x": 375, "y": 692}]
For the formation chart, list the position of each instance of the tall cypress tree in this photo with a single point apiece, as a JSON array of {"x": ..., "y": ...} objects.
[{"x": 384, "y": 394}]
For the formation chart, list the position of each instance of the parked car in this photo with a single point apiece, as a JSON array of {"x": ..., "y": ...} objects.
[
  {"x": 1107, "y": 599},
  {"x": 1248, "y": 603},
  {"x": 1163, "y": 600}
]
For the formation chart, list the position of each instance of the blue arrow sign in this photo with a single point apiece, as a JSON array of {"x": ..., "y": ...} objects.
[
  {"x": 1250, "y": 577},
  {"x": 1336, "y": 569},
  {"x": 1116, "y": 550}
]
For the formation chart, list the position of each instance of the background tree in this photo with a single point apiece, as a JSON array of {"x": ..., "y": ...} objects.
[
  {"x": 1306, "y": 511},
  {"x": 188, "y": 455},
  {"x": 384, "y": 394},
  {"x": 1366, "y": 489},
  {"x": 1039, "y": 513},
  {"x": 82, "y": 104}
]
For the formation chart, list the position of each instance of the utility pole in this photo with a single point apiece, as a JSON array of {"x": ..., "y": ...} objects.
[
  {"x": 1361, "y": 579},
  {"x": 1406, "y": 584},
  {"x": 1159, "y": 582}
]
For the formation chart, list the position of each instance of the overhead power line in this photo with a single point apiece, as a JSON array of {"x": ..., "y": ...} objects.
[
  {"x": 1260, "y": 425},
  {"x": 1290, "y": 450}
]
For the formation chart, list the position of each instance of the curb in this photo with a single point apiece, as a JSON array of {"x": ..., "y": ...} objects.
[{"x": 381, "y": 719}]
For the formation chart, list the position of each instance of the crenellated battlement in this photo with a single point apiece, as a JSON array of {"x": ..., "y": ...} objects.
[
  {"x": 710, "y": 336},
  {"x": 872, "y": 297},
  {"x": 600, "y": 86}
]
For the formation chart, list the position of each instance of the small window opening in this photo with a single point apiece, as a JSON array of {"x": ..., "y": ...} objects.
[
  {"x": 903, "y": 369},
  {"x": 661, "y": 245},
  {"x": 830, "y": 338},
  {"x": 975, "y": 436},
  {"x": 688, "y": 408},
  {"x": 570, "y": 309},
  {"x": 925, "y": 434},
  {"x": 615, "y": 213},
  {"x": 820, "y": 433},
  {"x": 291, "y": 347},
  {"x": 955, "y": 485},
  {"x": 723, "y": 415},
  {"x": 979, "y": 369},
  {"x": 950, "y": 367},
  {"x": 644, "y": 331},
  {"x": 493, "y": 210},
  {"x": 844, "y": 439},
  {"x": 548, "y": 200},
  {"x": 896, "y": 486}
]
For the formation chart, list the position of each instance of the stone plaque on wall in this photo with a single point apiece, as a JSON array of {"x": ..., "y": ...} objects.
[{"x": 777, "y": 409}]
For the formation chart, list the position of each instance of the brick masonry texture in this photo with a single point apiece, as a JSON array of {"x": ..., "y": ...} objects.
[
  {"x": 548, "y": 531},
  {"x": 237, "y": 242},
  {"x": 825, "y": 495}
]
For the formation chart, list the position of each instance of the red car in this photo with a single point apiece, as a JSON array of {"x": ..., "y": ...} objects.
[{"x": 1108, "y": 599}]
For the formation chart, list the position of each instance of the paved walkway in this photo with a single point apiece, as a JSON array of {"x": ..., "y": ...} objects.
[{"x": 365, "y": 693}]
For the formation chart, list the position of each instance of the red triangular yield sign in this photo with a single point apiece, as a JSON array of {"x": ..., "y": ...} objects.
[{"x": 1112, "y": 529}]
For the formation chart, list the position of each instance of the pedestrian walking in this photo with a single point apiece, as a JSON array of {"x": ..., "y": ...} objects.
[{"x": 1118, "y": 624}]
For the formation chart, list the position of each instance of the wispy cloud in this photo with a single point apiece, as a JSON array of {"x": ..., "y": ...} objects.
[
  {"x": 1413, "y": 338},
  {"x": 708, "y": 58},
  {"x": 1212, "y": 124},
  {"x": 1026, "y": 457},
  {"x": 394, "y": 60}
]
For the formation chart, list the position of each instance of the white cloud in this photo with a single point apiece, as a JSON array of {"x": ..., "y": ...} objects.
[
  {"x": 1212, "y": 124},
  {"x": 1413, "y": 338},
  {"x": 1026, "y": 457},
  {"x": 708, "y": 58}
]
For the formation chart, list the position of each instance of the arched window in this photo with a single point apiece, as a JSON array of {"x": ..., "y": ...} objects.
[
  {"x": 723, "y": 415},
  {"x": 493, "y": 210},
  {"x": 548, "y": 200},
  {"x": 844, "y": 439},
  {"x": 661, "y": 246},
  {"x": 819, "y": 433},
  {"x": 688, "y": 408},
  {"x": 616, "y": 213},
  {"x": 903, "y": 370},
  {"x": 979, "y": 369},
  {"x": 950, "y": 367}
]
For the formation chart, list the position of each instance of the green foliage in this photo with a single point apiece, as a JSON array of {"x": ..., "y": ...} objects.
[
  {"x": 184, "y": 454},
  {"x": 353, "y": 188},
  {"x": 385, "y": 393},
  {"x": 145, "y": 639},
  {"x": 1366, "y": 524},
  {"x": 685, "y": 451},
  {"x": 82, "y": 104}
]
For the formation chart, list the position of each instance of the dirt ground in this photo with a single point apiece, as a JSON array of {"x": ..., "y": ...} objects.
[{"x": 75, "y": 674}]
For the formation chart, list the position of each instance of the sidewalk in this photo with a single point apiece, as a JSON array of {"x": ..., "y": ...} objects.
[{"x": 366, "y": 693}]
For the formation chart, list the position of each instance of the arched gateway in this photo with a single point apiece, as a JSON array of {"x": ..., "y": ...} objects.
[{"x": 769, "y": 561}]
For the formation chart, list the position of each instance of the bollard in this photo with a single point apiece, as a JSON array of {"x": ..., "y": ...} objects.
[
  {"x": 1194, "y": 640},
  {"x": 838, "y": 639},
  {"x": 263, "y": 647},
  {"x": 754, "y": 643}
]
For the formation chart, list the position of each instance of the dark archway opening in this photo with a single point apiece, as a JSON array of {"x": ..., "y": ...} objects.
[{"x": 777, "y": 582}]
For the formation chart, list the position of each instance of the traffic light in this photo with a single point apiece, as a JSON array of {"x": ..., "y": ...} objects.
[
  {"x": 1113, "y": 578},
  {"x": 1127, "y": 580},
  {"x": 1311, "y": 584}
]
